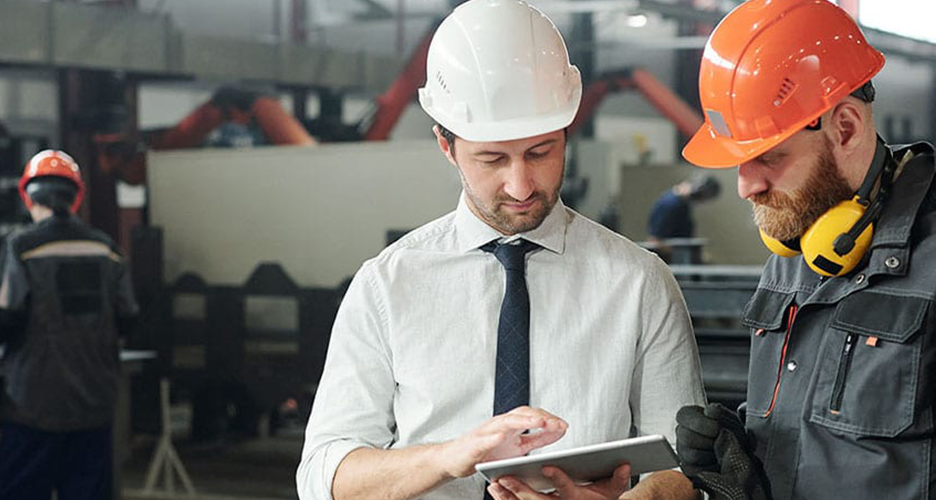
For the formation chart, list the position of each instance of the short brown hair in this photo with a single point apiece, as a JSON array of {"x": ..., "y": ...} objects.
[{"x": 448, "y": 135}]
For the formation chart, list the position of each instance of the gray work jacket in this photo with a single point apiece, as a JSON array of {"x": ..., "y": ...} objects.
[
  {"x": 72, "y": 290},
  {"x": 843, "y": 370}
]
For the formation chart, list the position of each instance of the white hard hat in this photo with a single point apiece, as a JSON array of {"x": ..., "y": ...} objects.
[{"x": 498, "y": 70}]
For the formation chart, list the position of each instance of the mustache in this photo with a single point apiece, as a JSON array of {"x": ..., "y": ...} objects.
[
  {"x": 537, "y": 195},
  {"x": 773, "y": 200}
]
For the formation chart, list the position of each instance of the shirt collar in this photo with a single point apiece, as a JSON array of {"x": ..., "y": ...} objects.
[{"x": 472, "y": 232}]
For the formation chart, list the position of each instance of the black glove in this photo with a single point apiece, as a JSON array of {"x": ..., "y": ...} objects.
[{"x": 717, "y": 455}]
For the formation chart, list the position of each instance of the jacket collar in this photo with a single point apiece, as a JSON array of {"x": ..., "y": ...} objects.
[{"x": 907, "y": 194}]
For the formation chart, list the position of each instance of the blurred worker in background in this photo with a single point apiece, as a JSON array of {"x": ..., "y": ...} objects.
[
  {"x": 451, "y": 342},
  {"x": 65, "y": 296},
  {"x": 842, "y": 384},
  {"x": 671, "y": 214}
]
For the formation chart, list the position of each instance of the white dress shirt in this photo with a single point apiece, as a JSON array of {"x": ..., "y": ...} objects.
[{"x": 412, "y": 351}]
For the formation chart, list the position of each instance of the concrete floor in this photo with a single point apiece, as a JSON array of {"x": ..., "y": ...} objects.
[{"x": 254, "y": 469}]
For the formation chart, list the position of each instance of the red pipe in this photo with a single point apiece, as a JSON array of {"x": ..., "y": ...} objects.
[
  {"x": 670, "y": 105},
  {"x": 192, "y": 131},
  {"x": 392, "y": 103},
  {"x": 277, "y": 125}
]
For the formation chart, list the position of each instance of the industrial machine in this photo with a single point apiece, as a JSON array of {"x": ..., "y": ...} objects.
[{"x": 231, "y": 114}]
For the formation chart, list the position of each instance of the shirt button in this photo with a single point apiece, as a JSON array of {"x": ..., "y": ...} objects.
[
  {"x": 791, "y": 366},
  {"x": 892, "y": 262},
  {"x": 860, "y": 279}
]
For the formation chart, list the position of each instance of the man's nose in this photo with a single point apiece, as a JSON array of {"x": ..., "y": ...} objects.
[
  {"x": 519, "y": 183},
  {"x": 751, "y": 180}
]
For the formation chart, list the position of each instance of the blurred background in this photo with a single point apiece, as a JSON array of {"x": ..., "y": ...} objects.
[{"x": 249, "y": 155}]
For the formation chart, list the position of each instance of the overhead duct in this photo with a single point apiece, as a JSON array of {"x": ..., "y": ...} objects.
[{"x": 97, "y": 37}]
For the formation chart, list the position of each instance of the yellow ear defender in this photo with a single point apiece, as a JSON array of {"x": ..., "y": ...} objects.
[
  {"x": 788, "y": 248},
  {"x": 836, "y": 242}
]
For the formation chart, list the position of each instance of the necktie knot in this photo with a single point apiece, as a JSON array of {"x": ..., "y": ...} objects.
[{"x": 511, "y": 255}]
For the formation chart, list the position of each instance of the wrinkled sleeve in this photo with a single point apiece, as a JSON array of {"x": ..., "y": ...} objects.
[
  {"x": 353, "y": 405},
  {"x": 667, "y": 371}
]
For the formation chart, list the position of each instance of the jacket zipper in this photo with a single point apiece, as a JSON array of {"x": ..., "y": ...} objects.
[
  {"x": 786, "y": 343},
  {"x": 838, "y": 390}
]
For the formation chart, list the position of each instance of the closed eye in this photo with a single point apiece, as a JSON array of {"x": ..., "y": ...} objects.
[
  {"x": 492, "y": 159},
  {"x": 771, "y": 158},
  {"x": 535, "y": 155}
]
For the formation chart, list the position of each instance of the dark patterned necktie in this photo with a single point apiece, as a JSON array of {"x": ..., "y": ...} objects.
[
  {"x": 512, "y": 372},
  {"x": 512, "y": 369}
]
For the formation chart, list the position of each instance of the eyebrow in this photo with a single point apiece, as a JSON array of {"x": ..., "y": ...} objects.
[
  {"x": 544, "y": 143},
  {"x": 498, "y": 153},
  {"x": 770, "y": 156}
]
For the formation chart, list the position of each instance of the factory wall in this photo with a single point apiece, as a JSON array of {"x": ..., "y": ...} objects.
[
  {"x": 319, "y": 212},
  {"x": 29, "y": 102},
  {"x": 904, "y": 102}
]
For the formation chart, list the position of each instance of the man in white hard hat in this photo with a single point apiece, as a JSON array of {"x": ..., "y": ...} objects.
[{"x": 506, "y": 314}]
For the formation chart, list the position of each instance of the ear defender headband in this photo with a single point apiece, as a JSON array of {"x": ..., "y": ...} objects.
[{"x": 837, "y": 241}]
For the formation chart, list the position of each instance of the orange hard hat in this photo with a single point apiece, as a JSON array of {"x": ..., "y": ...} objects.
[
  {"x": 769, "y": 69},
  {"x": 52, "y": 163}
]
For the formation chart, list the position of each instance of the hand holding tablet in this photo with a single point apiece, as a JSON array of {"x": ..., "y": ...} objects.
[{"x": 586, "y": 463}]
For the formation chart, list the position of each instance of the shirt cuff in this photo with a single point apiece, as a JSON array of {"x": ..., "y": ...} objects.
[{"x": 325, "y": 463}]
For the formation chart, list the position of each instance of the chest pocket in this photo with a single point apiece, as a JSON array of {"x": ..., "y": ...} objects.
[
  {"x": 869, "y": 365},
  {"x": 768, "y": 315}
]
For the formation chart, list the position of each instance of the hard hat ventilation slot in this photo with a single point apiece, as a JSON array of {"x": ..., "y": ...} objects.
[
  {"x": 786, "y": 90},
  {"x": 442, "y": 82}
]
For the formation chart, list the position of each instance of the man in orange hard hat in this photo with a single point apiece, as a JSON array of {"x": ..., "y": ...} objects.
[
  {"x": 842, "y": 384},
  {"x": 65, "y": 296}
]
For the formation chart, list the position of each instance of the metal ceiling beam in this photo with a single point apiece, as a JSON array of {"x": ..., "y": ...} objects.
[
  {"x": 72, "y": 35},
  {"x": 680, "y": 11},
  {"x": 375, "y": 11},
  {"x": 889, "y": 43}
]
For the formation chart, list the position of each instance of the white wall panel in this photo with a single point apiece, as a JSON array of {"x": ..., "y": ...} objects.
[{"x": 318, "y": 211}]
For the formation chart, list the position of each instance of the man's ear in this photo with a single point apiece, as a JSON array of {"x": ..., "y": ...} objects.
[
  {"x": 444, "y": 145},
  {"x": 848, "y": 124}
]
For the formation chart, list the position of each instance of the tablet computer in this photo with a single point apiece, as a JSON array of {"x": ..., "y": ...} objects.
[{"x": 586, "y": 463}]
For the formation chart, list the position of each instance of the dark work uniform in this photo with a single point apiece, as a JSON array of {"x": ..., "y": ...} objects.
[
  {"x": 64, "y": 296},
  {"x": 843, "y": 370},
  {"x": 670, "y": 217}
]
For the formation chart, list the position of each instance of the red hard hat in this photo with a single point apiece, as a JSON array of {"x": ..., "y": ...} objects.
[
  {"x": 52, "y": 163},
  {"x": 770, "y": 68}
]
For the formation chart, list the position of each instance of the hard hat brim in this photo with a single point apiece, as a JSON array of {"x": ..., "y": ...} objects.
[
  {"x": 505, "y": 130},
  {"x": 514, "y": 129},
  {"x": 707, "y": 149}
]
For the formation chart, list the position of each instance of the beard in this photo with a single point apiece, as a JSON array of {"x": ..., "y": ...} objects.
[
  {"x": 510, "y": 222},
  {"x": 785, "y": 216}
]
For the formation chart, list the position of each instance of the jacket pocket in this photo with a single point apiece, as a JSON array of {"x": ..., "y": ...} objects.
[
  {"x": 768, "y": 314},
  {"x": 866, "y": 380}
]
